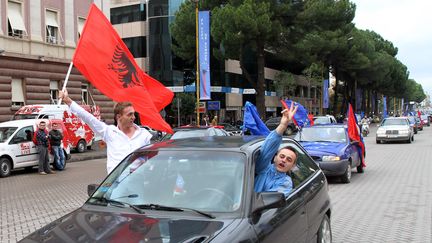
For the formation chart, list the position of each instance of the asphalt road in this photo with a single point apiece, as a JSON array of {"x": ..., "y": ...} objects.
[{"x": 390, "y": 202}]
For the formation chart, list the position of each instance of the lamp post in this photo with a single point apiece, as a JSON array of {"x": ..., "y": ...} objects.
[{"x": 197, "y": 65}]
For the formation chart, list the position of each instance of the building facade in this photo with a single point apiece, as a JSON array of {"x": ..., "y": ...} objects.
[{"x": 37, "y": 41}]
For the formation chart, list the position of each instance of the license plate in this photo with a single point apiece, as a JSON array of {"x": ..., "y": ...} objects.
[{"x": 392, "y": 136}]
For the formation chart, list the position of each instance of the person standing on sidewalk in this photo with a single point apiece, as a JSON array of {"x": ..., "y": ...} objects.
[
  {"x": 55, "y": 139},
  {"x": 41, "y": 141},
  {"x": 122, "y": 139}
]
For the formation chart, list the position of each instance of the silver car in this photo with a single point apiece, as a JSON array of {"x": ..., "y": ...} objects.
[{"x": 395, "y": 129}]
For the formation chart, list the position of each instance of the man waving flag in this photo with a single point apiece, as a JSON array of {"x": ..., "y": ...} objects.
[{"x": 104, "y": 59}]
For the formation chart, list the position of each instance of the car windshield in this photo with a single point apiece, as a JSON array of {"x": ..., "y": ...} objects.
[
  {"x": 6, "y": 132},
  {"x": 390, "y": 122},
  {"x": 321, "y": 120},
  {"x": 328, "y": 134},
  {"x": 209, "y": 181}
]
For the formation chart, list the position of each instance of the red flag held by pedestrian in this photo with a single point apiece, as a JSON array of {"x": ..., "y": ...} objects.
[{"x": 104, "y": 59}]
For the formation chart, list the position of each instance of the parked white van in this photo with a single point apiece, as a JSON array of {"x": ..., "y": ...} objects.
[{"x": 17, "y": 149}]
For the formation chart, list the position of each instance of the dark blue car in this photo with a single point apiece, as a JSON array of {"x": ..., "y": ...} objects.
[{"x": 331, "y": 149}]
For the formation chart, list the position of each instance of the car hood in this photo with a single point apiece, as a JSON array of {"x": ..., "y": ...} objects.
[
  {"x": 85, "y": 225},
  {"x": 323, "y": 148}
]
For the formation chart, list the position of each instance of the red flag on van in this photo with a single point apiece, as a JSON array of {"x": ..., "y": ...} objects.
[{"x": 105, "y": 60}]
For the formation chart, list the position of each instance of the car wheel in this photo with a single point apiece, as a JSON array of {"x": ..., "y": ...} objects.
[
  {"x": 346, "y": 177},
  {"x": 289, "y": 131},
  {"x": 378, "y": 141},
  {"x": 324, "y": 231},
  {"x": 81, "y": 146},
  {"x": 5, "y": 167}
]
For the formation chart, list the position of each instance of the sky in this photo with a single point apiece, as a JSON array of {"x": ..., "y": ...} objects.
[{"x": 408, "y": 25}]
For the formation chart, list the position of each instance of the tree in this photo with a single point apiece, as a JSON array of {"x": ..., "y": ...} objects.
[{"x": 243, "y": 26}]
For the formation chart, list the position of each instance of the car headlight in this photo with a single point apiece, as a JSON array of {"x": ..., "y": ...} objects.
[
  {"x": 330, "y": 158},
  {"x": 381, "y": 131},
  {"x": 404, "y": 131}
]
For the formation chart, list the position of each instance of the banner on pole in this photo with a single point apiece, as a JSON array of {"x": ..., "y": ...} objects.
[
  {"x": 204, "y": 54},
  {"x": 325, "y": 93}
]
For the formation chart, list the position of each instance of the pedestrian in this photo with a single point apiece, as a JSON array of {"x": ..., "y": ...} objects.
[
  {"x": 120, "y": 140},
  {"x": 55, "y": 139},
  {"x": 206, "y": 120},
  {"x": 41, "y": 141},
  {"x": 214, "y": 122},
  {"x": 272, "y": 170}
]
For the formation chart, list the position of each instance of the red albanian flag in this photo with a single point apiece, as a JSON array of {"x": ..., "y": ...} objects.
[
  {"x": 354, "y": 133},
  {"x": 104, "y": 59}
]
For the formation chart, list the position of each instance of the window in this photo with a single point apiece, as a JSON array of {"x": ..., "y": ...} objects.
[
  {"x": 84, "y": 93},
  {"x": 53, "y": 35},
  {"x": 81, "y": 22},
  {"x": 17, "y": 93},
  {"x": 127, "y": 14},
  {"x": 54, "y": 87},
  {"x": 136, "y": 45},
  {"x": 16, "y": 27},
  {"x": 23, "y": 135}
]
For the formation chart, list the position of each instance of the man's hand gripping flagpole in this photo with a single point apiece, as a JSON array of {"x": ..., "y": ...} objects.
[{"x": 65, "y": 82}]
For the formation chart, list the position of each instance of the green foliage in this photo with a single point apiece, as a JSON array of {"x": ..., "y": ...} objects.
[
  {"x": 285, "y": 84},
  {"x": 306, "y": 36},
  {"x": 187, "y": 102}
]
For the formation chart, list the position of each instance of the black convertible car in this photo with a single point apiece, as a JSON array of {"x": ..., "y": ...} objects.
[{"x": 197, "y": 190}]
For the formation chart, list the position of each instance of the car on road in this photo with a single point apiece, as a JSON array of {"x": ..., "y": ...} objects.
[
  {"x": 17, "y": 149},
  {"x": 195, "y": 131},
  {"x": 425, "y": 120},
  {"x": 395, "y": 129},
  {"x": 419, "y": 124},
  {"x": 273, "y": 122},
  {"x": 330, "y": 147},
  {"x": 413, "y": 123},
  {"x": 230, "y": 128},
  {"x": 198, "y": 190},
  {"x": 327, "y": 119}
]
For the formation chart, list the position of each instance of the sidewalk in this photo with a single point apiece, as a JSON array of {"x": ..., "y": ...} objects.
[{"x": 96, "y": 152}]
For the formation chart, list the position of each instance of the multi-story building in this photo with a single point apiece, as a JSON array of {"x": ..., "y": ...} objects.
[
  {"x": 37, "y": 41},
  {"x": 144, "y": 26}
]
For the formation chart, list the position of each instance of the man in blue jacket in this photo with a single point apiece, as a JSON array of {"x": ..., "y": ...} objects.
[{"x": 274, "y": 177}]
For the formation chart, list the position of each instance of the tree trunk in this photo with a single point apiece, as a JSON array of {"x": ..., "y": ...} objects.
[{"x": 260, "y": 96}]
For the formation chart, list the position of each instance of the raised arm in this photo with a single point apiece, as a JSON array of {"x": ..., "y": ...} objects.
[
  {"x": 96, "y": 125},
  {"x": 274, "y": 139}
]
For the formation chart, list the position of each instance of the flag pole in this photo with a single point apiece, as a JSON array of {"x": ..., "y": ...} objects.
[
  {"x": 66, "y": 80},
  {"x": 197, "y": 68}
]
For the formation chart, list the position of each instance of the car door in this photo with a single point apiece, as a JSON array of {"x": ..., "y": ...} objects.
[
  {"x": 313, "y": 183},
  {"x": 22, "y": 147},
  {"x": 288, "y": 223}
]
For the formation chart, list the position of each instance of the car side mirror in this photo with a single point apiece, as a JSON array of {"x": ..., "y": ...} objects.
[
  {"x": 267, "y": 200},
  {"x": 91, "y": 189}
]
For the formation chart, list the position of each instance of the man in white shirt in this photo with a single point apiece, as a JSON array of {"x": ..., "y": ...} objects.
[{"x": 122, "y": 139}]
